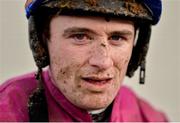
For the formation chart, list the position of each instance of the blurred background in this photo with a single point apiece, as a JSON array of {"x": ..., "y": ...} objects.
[{"x": 162, "y": 87}]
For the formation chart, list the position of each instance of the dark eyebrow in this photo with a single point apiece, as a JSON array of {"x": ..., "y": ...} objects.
[
  {"x": 73, "y": 30},
  {"x": 122, "y": 32}
]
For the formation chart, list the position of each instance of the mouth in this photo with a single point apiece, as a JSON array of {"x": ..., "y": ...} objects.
[{"x": 97, "y": 81}]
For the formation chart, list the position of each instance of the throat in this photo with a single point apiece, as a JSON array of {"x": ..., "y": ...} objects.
[
  {"x": 101, "y": 115},
  {"x": 98, "y": 115}
]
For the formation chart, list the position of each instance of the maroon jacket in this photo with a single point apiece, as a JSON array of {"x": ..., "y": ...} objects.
[{"x": 14, "y": 96}]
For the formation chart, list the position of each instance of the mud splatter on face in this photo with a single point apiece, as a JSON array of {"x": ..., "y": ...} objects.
[
  {"x": 79, "y": 86},
  {"x": 103, "y": 45},
  {"x": 71, "y": 63}
]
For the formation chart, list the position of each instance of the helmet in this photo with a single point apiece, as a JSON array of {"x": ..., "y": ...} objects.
[{"x": 144, "y": 12}]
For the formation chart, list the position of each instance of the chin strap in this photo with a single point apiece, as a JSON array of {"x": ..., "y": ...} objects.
[
  {"x": 142, "y": 73},
  {"x": 37, "y": 104}
]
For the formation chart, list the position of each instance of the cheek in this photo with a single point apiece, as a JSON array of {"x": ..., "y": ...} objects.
[
  {"x": 122, "y": 60},
  {"x": 64, "y": 65},
  {"x": 65, "y": 77},
  {"x": 64, "y": 69}
]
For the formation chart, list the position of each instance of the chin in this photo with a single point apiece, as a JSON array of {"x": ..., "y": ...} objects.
[{"x": 96, "y": 104}]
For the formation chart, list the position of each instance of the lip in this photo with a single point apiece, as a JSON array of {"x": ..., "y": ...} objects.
[{"x": 96, "y": 80}]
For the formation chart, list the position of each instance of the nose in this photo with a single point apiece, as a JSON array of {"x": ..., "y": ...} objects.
[{"x": 101, "y": 57}]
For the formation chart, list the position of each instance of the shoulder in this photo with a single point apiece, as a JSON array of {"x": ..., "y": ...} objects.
[
  {"x": 150, "y": 113},
  {"x": 140, "y": 107},
  {"x": 14, "y": 95},
  {"x": 21, "y": 83}
]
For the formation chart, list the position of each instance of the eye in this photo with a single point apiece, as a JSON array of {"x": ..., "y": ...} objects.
[
  {"x": 116, "y": 39},
  {"x": 81, "y": 38}
]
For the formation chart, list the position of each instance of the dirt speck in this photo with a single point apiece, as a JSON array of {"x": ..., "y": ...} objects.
[{"x": 79, "y": 86}]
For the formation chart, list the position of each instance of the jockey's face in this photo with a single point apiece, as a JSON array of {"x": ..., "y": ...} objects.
[{"x": 89, "y": 58}]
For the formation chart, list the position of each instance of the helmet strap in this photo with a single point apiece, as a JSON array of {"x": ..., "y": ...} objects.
[
  {"x": 142, "y": 73},
  {"x": 138, "y": 58},
  {"x": 37, "y": 104}
]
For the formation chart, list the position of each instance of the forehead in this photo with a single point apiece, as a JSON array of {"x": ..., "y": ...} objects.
[{"x": 92, "y": 22}]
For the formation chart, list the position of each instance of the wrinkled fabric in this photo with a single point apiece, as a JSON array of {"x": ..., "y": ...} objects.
[{"x": 14, "y": 95}]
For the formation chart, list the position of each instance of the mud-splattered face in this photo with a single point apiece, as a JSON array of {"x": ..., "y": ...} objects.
[{"x": 89, "y": 57}]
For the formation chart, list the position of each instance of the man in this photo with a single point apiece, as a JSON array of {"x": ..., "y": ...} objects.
[{"x": 89, "y": 46}]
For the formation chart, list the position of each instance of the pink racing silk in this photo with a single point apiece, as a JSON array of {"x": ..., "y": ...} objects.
[{"x": 15, "y": 92}]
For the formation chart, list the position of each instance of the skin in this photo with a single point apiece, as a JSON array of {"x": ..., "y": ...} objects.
[{"x": 89, "y": 58}]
